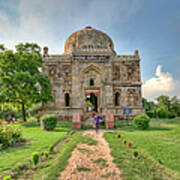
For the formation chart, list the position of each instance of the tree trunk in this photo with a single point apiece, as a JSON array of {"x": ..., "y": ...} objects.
[{"x": 23, "y": 112}]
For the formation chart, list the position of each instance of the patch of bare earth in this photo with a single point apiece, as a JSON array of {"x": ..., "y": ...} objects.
[{"x": 91, "y": 162}]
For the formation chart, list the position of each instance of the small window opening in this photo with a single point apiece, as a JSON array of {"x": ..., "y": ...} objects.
[
  {"x": 117, "y": 95},
  {"x": 91, "y": 82},
  {"x": 67, "y": 99}
]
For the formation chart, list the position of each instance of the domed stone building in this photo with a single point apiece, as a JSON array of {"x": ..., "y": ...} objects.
[{"x": 89, "y": 69}]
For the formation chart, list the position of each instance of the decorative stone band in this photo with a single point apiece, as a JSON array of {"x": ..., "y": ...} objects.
[
  {"x": 93, "y": 60},
  {"x": 95, "y": 91}
]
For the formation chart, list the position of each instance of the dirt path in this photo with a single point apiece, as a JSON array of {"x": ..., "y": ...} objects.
[{"x": 91, "y": 162}]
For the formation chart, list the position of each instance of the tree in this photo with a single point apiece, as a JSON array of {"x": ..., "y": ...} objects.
[
  {"x": 21, "y": 82},
  {"x": 148, "y": 105},
  {"x": 175, "y": 105},
  {"x": 163, "y": 102}
]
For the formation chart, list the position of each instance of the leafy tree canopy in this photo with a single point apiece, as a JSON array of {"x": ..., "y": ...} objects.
[
  {"x": 163, "y": 102},
  {"x": 21, "y": 82}
]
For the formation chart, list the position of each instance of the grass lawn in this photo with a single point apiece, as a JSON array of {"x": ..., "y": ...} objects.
[
  {"x": 38, "y": 140},
  {"x": 161, "y": 141}
]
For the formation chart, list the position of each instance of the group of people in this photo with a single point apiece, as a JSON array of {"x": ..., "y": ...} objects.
[{"x": 11, "y": 119}]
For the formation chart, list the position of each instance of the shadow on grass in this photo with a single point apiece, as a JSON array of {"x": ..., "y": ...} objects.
[
  {"x": 158, "y": 129},
  {"x": 17, "y": 147},
  {"x": 130, "y": 128},
  {"x": 65, "y": 124},
  {"x": 31, "y": 125},
  {"x": 62, "y": 130}
]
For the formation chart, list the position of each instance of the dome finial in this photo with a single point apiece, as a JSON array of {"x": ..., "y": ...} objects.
[{"x": 88, "y": 27}]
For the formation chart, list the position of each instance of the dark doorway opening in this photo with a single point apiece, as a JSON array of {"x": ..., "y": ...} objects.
[{"x": 94, "y": 101}]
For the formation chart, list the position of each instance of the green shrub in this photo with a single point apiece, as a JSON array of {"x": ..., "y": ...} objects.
[
  {"x": 71, "y": 132},
  {"x": 51, "y": 148},
  {"x": 151, "y": 114},
  {"x": 129, "y": 144},
  {"x": 48, "y": 122},
  {"x": 46, "y": 154},
  {"x": 124, "y": 141},
  {"x": 172, "y": 115},
  {"x": 135, "y": 153},
  {"x": 7, "y": 178},
  {"x": 162, "y": 113},
  {"x": 119, "y": 136},
  {"x": 35, "y": 158},
  {"x": 10, "y": 135},
  {"x": 141, "y": 121}
]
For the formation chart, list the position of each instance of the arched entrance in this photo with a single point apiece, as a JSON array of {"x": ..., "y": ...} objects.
[
  {"x": 94, "y": 101},
  {"x": 93, "y": 96}
]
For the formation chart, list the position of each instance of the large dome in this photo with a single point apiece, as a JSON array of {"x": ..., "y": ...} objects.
[{"x": 88, "y": 40}]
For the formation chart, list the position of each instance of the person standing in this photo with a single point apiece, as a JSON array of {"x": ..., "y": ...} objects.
[{"x": 96, "y": 121}]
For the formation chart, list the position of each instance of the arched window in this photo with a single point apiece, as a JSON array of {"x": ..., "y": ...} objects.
[
  {"x": 91, "y": 82},
  {"x": 67, "y": 99},
  {"x": 116, "y": 100}
]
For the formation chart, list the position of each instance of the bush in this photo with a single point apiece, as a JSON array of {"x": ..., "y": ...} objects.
[
  {"x": 135, "y": 153},
  {"x": 35, "y": 158},
  {"x": 119, "y": 136},
  {"x": 172, "y": 115},
  {"x": 51, "y": 148},
  {"x": 9, "y": 135},
  {"x": 46, "y": 154},
  {"x": 162, "y": 113},
  {"x": 141, "y": 122},
  {"x": 124, "y": 141},
  {"x": 7, "y": 178},
  {"x": 151, "y": 114},
  {"x": 71, "y": 132},
  {"x": 48, "y": 122},
  {"x": 129, "y": 144}
]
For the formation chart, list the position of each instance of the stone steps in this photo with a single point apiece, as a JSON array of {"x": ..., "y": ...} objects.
[{"x": 88, "y": 120}]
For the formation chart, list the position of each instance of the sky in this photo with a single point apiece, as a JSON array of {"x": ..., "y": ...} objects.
[{"x": 151, "y": 26}]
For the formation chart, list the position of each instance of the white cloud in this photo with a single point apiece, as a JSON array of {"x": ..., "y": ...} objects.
[{"x": 162, "y": 84}]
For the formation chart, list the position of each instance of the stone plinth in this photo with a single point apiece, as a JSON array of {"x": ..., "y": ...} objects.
[
  {"x": 109, "y": 118},
  {"x": 76, "y": 121}
]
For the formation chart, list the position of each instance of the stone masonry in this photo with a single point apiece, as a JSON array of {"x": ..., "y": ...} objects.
[{"x": 90, "y": 66}]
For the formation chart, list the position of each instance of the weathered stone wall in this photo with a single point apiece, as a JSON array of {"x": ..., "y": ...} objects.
[
  {"x": 127, "y": 82},
  {"x": 91, "y": 59},
  {"x": 116, "y": 74}
]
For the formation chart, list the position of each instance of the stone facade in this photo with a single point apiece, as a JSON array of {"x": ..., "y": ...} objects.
[{"x": 91, "y": 67}]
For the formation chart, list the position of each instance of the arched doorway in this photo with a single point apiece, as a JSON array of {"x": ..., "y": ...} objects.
[{"x": 94, "y": 101}]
